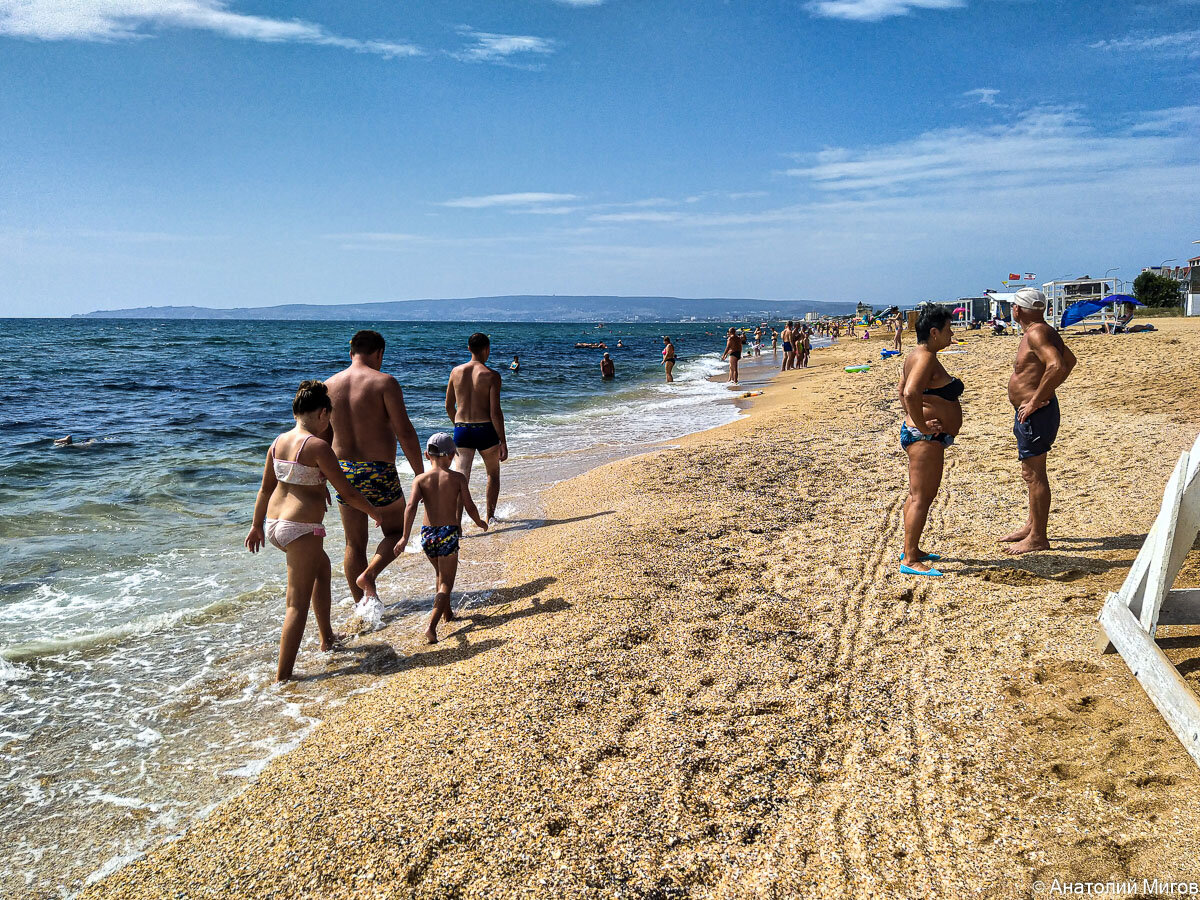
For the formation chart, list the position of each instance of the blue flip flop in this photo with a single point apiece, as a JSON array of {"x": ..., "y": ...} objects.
[
  {"x": 933, "y": 557},
  {"x": 908, "y": 570}
]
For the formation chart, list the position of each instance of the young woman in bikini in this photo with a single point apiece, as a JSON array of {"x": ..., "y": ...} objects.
[{"x": 290, "y": 509}]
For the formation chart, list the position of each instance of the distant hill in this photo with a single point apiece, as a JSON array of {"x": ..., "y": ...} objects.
[{"x": 507, "y": 309}]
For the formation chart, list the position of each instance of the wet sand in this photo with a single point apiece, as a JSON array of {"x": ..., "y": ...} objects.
[{"x": 707, "y": 677}]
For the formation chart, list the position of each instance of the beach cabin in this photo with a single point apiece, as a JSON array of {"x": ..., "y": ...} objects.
[
  {"x": 1061, "y": 294},
  {"x": 967, "y": 310},
  {"x": 1000, "y": 306}
]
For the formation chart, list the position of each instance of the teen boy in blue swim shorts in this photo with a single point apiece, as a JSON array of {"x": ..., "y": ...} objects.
[{"x": 445, "y": 495}]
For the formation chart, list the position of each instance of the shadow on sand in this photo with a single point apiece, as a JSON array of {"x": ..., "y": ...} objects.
[
  {"x": 530, "y": 524},
  {"x": 379, "y": 658}
]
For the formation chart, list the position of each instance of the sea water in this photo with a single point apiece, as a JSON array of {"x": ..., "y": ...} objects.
[{"x": 138, "y": 636}]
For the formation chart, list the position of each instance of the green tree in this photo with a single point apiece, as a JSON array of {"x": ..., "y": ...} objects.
[{"x": 1154, "y": 289}]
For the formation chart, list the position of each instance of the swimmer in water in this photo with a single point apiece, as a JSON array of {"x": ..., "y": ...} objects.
[
  {"x": 607, "y": 370},
  {"x": 515, "y": 365}
]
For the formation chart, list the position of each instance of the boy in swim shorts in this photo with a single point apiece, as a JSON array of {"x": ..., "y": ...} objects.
[{"x": 445, "y": 494}]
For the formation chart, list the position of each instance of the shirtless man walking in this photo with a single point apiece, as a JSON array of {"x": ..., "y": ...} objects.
[
  {"x": 1043, "y": 363},
  {"x": 368, "y": 419},
  {"x": 473, "y": 405}
]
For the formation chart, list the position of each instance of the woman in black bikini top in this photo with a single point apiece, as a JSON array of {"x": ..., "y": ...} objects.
[{"x": 933, "y": 419}]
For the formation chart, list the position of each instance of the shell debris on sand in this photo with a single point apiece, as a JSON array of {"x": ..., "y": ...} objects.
[{"x": 709, "y": 678}]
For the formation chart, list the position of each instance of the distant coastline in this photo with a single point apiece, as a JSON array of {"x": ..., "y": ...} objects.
[{"x": 514, "y": 308}]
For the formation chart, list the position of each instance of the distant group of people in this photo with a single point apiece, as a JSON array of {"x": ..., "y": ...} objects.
[
  {"x": 930, "y": 397},
  {"x": 797, "y": 346},
  {"x": 346, "y": 432}
]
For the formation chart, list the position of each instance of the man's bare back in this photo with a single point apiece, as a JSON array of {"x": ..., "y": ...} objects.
[
  {"x": 368, "y": 414},
  {"x": 474, "y": 388}
]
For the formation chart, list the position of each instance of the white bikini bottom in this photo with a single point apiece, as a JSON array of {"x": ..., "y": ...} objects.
[{"x": 282, "y": 532}]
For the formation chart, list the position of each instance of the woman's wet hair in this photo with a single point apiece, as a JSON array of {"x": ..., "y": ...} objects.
[
  {"x": 931, "y": 317},
  {"x": 311, "y": 396}
]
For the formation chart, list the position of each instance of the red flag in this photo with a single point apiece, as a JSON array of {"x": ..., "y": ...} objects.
[{"x": 1014, "y": 276}]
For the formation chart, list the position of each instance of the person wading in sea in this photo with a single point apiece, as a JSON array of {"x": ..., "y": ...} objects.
[
  {"x": 473, "y": 405},
  {"x": 1043, "y": 363},
  {"x": 668, "y": 355},
  {"x": 733, "y": 351},
  {"x": 368, "y": 419}
]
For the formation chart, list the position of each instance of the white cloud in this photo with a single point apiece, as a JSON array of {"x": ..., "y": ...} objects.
[
  {"x": 500, "y": 48},
  {"x": 1174, "y": 43},
  {"x": 524, "y": 199},
  {"x": 875, "y": 10},
  {"x": 1041, "y": 146},
  {"x": 637, "y": 217},
  {"x": 986, "y": 96},
  {"x": 108, "y": 20}
]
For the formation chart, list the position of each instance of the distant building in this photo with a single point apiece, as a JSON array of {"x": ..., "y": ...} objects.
[
  {"x": 1189, "y": 282},
  {"x": 862, "y": 310},
  {"x": 1191, "y": 306},
  {"x": 1061, "y": 294}
]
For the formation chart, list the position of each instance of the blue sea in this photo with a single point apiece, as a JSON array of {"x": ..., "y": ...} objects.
[{"x": 137, "y": 635}]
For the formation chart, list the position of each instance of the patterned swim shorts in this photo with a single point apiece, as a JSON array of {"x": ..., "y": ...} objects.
[
  {"x": 377, "y": 481},
  {"x": 440, "y": 540}
]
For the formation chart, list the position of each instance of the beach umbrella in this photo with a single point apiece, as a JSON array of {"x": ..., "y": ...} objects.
[
  {"x": 1077, "y": 312},
  {"x": 961, "y": 309}
]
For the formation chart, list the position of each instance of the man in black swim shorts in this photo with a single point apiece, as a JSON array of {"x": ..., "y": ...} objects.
[
  {"x": 1043, "y": 363},
  {"x": 473, "y": 405}
]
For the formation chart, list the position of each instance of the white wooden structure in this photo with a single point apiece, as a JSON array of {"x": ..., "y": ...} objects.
[
  {"x": 1131, "y": 616},
  {"x": 1061, "y": 294}
]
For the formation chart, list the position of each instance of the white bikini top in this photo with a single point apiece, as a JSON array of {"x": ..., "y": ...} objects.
[{"x": 292, "y": 471}]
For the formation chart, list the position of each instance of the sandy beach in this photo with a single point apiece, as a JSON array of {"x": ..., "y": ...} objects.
[{"x": 707, "y": 677}]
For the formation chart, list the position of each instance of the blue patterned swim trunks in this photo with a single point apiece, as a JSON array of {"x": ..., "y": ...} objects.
[
  {"x": 377, "y": 481},
  {"x": 440, "y": 540}
]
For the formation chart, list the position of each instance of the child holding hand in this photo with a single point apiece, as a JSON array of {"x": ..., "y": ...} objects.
[{"x": 445, "y": 494}]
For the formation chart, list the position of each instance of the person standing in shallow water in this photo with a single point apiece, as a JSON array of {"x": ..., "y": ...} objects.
[
  {"x": 368, "y": 419},
  {"x": 608, "y": 371},
  {"x": 1043, "y": 363},
  {"x": 290, "y": 511},
  {"x": 473, "y": 405},
  {"x": 668, "y": 355},
  {"x": 733, "y": 352},
  {"x": 933, "y": 417}
]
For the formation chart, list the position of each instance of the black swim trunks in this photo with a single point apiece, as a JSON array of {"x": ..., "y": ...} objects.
[
  {"x": 1036, "y": 434},
  {"x": 476, "y": 436}
]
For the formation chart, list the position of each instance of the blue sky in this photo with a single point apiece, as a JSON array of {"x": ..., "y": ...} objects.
[{"x": 253, "y": 152}]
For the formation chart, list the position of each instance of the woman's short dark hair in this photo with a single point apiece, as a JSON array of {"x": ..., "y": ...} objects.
[
  {"x": 931, "y": 317},
  {"x": 311, "y": 396},
  {"x": 366, "y": 342}
]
